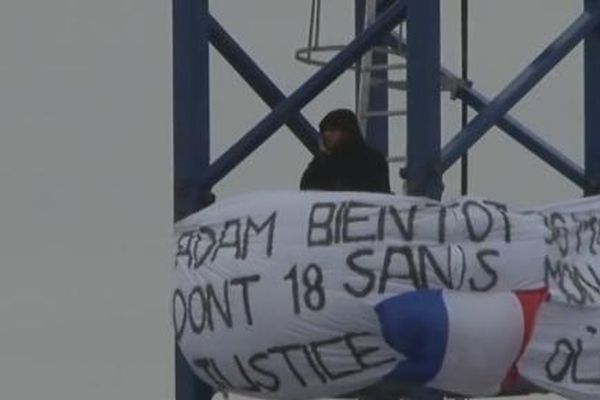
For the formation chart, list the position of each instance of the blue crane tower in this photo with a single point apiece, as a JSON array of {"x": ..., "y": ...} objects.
[{"x": 194, "y": 30}]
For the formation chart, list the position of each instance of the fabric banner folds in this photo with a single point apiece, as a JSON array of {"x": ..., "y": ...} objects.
[{"x": 317, "y": 294}]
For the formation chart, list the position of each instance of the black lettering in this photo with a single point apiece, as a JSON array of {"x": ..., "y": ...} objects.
[
  {"x": 594, "y": 275},
  {"x": 313, "y": 365},
  {"x": 275, "y": 381},
  {"x": 315, "y": 346},
  {"x": 552, "y": 272},
  {"x": 205, "y": 365},
  {"x": 178, "y": 327},
  {"x": 200, "y": 255},
  {"x": 577, "y": 296},
  {"x": 243, "y": 281},
  {"x": 550, "y": 238},
  {"x": 314, "y": 296},
  {"x": 582, "y": 284},
  {"x": 257, "y": 229},
  {"x": 593, "y": 225},
  {"x": 197, "y": 327},
  {"x": 580, "y": 227},
  {"x": 573, "y": 276},
  {"x": 586, "y": 285},
  {"x": 293, "y": 277},
  {"x": 566, "y": 275},
  {"x": 575, "y": 367},
  {"x": 225, "y": 381},
  {"x": 283, "y": 350},
  {"x": 463, "y": 266},
  {"x": 212, "y": 303},
  {"x": 338, "y": 223},
  {"x": 381, "y": 224},
  {"x": 321, "y": 225},
  {"x": 362, "y": 353},
  {"x": 426, "y": 259},
  {"x": 442, "y": 225},
  {"x": 491, "y": 272},
  {"x": 184, "y": 246},
  {"x": 350, "y": 219},
  {"x": 236, "y": 243},
  {"x": 411, "y": 275},
  {"x": 475, "y": 236},
  {"x": 559, "y": 233},
  {"x": 556, "y": 369},
  {"x": 407, "y": 230},
  {"x": 586, "y": 226},
  {"x": 362, "y": 271},
  {"x": 503, "y": 210},
  {"x": 252, "y": 386}
]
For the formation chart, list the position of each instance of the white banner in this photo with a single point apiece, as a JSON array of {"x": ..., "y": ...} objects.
[
  {"x": 303, "y": 295},
  {"x": 564, "y": 354}
]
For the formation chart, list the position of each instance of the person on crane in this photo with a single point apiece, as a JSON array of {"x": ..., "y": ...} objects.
[{"x": 346, "y": 162}]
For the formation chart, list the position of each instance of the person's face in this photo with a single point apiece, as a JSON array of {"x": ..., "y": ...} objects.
[{"x": 332, "y": 139}]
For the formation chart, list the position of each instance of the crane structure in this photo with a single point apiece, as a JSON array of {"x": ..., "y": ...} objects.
[{"x": 195, "y": 29}]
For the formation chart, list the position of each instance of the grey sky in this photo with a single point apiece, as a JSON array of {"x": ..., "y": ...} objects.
[{"x": 85, "y": 156}]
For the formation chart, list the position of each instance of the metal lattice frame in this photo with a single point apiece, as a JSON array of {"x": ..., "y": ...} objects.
[{"x": 194, "y": 29}]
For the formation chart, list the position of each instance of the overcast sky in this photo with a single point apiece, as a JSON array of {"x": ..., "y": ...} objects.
[{"x": 85, "y": 165}]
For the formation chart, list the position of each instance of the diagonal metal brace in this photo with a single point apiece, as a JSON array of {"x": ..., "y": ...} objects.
[
  {"x": 527, "y": 138},
  {"x": 302, "y": 96},
  {"x": 518, "y": 88},
  {"x": 507, "y": 123},
  {"x": 255, "y": 77}
]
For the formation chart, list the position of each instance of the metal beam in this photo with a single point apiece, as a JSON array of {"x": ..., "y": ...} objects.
[
  {"x": 423, "y": 99},
  {"x": 302, "y": 96},
  {"x": 191, "y": 110},
  {"x": 187, "y": 384},
  {"x": 226, "y": 45},
  {"x": 511, "y": 126},
  {"x": 377, "y": 134},
  {"x": 359, "y": 19},
  {"x": 526, "y": 137},
  {"x": 518, "y": 88},
  {"x": 591, "y": 55},
  {"x": 191, "y": 147}
]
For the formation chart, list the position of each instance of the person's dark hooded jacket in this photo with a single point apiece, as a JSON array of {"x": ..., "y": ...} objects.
[{"x": 354, "y": 166}]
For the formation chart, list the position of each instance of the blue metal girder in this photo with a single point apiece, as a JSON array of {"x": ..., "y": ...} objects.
[
  {"x": 187, "y": 384},
  {"x": 423, "y": 99},
  {"x": 302, "y": 96},
  {"x": 377, "y": 134},
  {"x": 592, "y": 103},
  {"x": 260, "y": 82},
  {"x": 525, "y": 137},
  {"x": 512, "y": 127},
  {"x": 191, "y": 147},
  {"x": 518, "y": 88},
  {"x": 359, "y": 18}
]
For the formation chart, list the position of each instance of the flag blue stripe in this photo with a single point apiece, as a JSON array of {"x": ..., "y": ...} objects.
[{"x": 416, "y": 325}]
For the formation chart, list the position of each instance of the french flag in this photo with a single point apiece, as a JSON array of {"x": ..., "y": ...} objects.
[{"x": 458, "y": 342}]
